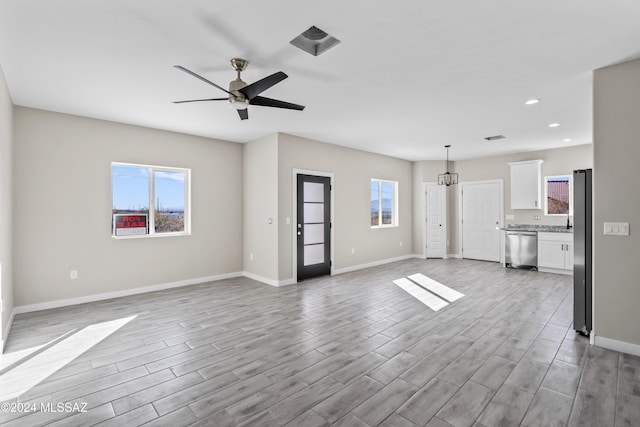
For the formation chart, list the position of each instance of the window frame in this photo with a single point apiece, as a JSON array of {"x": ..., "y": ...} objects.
[
  {"x": 152, "y": 210},
  {"x": 546, "y": 195},
  {"x": 394, "y": 203}
]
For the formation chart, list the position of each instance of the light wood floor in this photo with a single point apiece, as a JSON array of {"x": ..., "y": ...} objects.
[{"x": 348, "y": 350}]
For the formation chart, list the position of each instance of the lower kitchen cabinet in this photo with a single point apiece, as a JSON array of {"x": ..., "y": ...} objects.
[{"x": 555, "y": 252}]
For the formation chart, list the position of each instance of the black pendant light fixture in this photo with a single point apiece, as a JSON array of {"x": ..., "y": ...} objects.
[{"x": 447, "y": 178}]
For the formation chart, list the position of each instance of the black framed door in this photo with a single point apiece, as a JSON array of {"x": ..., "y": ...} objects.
[{"x": 313, "y": 228}]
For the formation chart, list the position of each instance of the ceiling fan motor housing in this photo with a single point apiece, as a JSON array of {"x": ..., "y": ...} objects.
[{"x": 237, "y": 99}]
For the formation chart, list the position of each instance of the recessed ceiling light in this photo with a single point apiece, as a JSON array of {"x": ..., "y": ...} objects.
[
  {"x": 554, "y": 125},
  {"x": 566, "y": 140},
  {"x": 532, "y": 101}
]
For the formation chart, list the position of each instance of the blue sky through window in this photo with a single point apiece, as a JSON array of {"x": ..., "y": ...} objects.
[
  {"x": 130, "y": 186},
  {"x": 375, "y": 193},
  {"x": 169, "y": 191}
]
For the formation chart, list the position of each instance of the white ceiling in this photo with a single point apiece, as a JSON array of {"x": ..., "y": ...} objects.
[{"x": 409, "y": 76}]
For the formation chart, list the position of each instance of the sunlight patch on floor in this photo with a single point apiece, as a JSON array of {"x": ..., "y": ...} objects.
[
  {"x": 429, "y": 292},
  {"x": 7, "y": 360},
  {"x": 427, "y": 298},
  {"x": 24, "y": 376},
  {"x": 437, "y": 288}
]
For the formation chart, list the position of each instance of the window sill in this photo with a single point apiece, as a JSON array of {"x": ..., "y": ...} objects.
[
  {"x": 150, "y": 236},
  {"x": 373, "y": 227}
]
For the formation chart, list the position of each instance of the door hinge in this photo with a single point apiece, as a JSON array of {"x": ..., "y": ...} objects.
[
  {"x": 330, "y": 263},
  {"x": 330, "y": 187},
  {"x": 330, "y": 225}
]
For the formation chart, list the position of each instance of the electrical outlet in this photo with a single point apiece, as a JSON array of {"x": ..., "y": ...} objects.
[
  {"x": 2, "y": 306},
  {"x": 353, "y": 251},
  {"x": 400, "y": 244},
  {"x": 73, "y": 274},
  {"x": 251, "y": 256}
]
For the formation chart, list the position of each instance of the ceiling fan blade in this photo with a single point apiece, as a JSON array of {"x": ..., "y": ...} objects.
[
  {"x": 244, "y": 114},
  {"x": 256, "y": 88},
  {"x": 198, "y": 100},
  {"x": 180, "y": 67},
  {"x": 268, "y": 102}
]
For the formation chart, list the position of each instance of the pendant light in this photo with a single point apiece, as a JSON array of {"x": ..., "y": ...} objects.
[{"x": 447, "y": 178}]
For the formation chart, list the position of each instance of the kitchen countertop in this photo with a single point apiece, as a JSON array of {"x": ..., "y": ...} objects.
[{"x": 538, "y": 228}]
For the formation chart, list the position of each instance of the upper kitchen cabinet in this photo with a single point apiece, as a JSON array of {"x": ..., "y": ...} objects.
[{"x": 526, "y": 184}]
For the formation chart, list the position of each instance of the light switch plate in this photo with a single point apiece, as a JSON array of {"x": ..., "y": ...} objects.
[{"x": 616, "y": 228}]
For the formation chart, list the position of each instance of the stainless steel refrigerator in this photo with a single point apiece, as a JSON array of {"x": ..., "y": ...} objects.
[{"x": 582, "y": 240}]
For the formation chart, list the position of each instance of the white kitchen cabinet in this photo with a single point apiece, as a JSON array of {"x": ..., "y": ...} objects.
[
  {"x": 526, "y": 184},
  {"x": 555, "y": 252}
]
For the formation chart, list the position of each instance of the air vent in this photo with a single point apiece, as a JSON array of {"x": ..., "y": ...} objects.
[
  {"x": 314, "y": 41},
  {"x": 495, "y": 137}
]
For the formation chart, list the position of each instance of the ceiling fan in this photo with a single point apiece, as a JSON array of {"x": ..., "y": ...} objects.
[{"x": 241, "y": 94}]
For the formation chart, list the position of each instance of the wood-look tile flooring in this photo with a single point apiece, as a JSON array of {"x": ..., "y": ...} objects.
[{"x": 348, "y": 350}]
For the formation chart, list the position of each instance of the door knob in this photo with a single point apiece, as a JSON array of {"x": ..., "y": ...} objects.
[{"x": 299, "y": 233}]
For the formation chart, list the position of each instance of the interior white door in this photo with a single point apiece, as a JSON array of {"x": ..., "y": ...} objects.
[
  {"x": 480, "y": 221},
  {"x": 436, "y": 221}
]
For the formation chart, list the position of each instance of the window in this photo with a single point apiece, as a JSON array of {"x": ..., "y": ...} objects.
[
  {"x": 558, "y": 195},
  {"x": 384, "y": 203},
  {"x": 149, "y": 200}
]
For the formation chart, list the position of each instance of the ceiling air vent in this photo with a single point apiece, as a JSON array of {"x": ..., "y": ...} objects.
[
  {"x": 495, "y": 137},
  {"x": 314, "y": 41}
]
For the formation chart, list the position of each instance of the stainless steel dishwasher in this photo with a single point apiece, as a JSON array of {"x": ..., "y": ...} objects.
[{"x": 521, "y": 249}]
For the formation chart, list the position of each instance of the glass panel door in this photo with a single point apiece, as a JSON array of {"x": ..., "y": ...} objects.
[{"x": 313, "y": 228}]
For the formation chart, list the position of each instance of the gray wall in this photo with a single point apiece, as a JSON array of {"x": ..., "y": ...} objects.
[
  {"x": 558, "y": 161},
  {"x": 62, "y": 208},
  {"x": 6, "y": 204},
  {"x": 617, "y": 154},
  {"x": 260, "y": 205},
  {"x": 353, "y": 171}
]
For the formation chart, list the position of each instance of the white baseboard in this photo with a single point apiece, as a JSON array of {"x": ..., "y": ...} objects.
[
  {"x": 5, "y": 333},
  {"x": 374, "y": 263},
  {"x": 453, "y": 256},
  {"x": 555, "y": 271},
  {"x": 621, "y": 346},
  {"x": 267, "y": 281},
  {"x": 122, "y": 293}
]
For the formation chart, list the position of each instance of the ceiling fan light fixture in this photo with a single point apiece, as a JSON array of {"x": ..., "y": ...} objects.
[
  {"x": 239, "y": 103},
  {"x": 314, "y": 41},
  {"x": 447, "y": 178}
]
